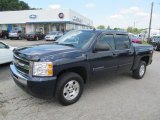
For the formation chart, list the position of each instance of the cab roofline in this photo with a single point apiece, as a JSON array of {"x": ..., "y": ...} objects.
[{"x": 106, "y": 31}]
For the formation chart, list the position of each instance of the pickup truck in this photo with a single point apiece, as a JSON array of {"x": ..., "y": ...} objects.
[{"x": 62, "y": 68}]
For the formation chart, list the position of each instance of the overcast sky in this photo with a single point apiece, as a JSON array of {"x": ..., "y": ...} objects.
[{"x": 116, "y": 13}]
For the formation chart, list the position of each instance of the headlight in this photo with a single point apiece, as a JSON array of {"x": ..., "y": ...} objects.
[{"x": 43, "y": 69}]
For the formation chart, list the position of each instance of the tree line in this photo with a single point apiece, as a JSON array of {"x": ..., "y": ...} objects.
[
  {"x": 13, "y": 5},
  {"x": 129, "y": 29}
]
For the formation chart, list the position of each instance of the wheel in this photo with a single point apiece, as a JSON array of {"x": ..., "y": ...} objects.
[
  {"x": 37, "y": 38},
  {"x": 19, "y": 38},
  {"x": 55, "y": 38},
  {"x": 140, "y": 71},
  {"x": 69, "y": 88},
  {"x": 5, "y": 37},
  {"x": 156, "y": 47}
]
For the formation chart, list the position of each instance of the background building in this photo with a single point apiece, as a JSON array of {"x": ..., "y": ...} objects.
[
  {"x": 154, "y": 32},
  {"x": 43, "y": 20}
]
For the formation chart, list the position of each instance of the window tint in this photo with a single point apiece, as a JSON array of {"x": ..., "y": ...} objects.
[
  {"x": 122, "y": 42},
  {"x": 109, "y": 40},
  {"x": 2, "y": 46}
]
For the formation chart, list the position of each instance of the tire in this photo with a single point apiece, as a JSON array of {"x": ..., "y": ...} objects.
[
  {"x": 19, "y": 38},
  {"x": 72, "y": 84},
  {"x": 5, "y": 37},
  {"x": 37, "y": 38},
  {"x": 140, "y": 71},
  {"x": 55, "y": 38},
  {"x": 156, "y": 47}
]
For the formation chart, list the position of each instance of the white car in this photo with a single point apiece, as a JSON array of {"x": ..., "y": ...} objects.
[
  {"x": 6, "y": 53},
  {"x": 53, "y": 35}
]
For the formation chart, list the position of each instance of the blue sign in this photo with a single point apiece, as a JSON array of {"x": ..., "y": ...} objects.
[
  {"x": 10, "y": 27},
  {"x": 33, "y": 16}
]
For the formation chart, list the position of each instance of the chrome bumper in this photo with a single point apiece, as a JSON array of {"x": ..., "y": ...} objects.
[{"x": 17, "y": 76}]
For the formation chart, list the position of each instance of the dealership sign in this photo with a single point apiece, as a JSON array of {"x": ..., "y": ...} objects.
[
  {"x": 76, "y": 19},
  {"x": 33, "y": 16},
  {"x": 61, "y": 15}
]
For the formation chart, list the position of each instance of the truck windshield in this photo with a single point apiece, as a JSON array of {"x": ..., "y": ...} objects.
[{"x": 78, "y": 39}]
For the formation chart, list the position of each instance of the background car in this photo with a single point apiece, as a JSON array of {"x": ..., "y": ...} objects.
[
  {"x": 65, "y": 32},
  {"x": 4, "y": 34},
  {"x": 155, "y": 41},
  {"x": 16, "y": 34},
  {"x": 6, "y": 53},
  {"x": 35, "y": 36},
  {"x": 53, "y": 35},
  {"x": 135, "y": 39}
]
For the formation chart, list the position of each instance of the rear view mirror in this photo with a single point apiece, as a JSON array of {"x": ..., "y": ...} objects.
[{"x": 101, "y": 47}]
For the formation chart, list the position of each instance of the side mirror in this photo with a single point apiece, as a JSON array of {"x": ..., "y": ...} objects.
[
  {"x": 102, "y": 47},
  {"x": 7, "y": 47}
]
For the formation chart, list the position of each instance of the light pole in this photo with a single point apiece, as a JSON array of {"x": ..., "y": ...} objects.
[{"x": 150, "y": 23}]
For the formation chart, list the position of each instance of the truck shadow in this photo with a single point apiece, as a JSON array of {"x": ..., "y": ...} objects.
[
  {"x": 109, "y": 80},
  {"x": 4, "y": 72}
]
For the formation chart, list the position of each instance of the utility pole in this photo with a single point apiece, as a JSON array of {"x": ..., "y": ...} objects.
[
  {"x": 150, "y": 23},
  {"x": 134, "y": 24}
]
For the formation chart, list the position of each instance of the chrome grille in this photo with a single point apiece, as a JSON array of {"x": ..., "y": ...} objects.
[{"x": 21, "y": 64}]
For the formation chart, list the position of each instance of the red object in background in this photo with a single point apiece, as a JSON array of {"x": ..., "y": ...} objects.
[{"x": 137, "y": 41}]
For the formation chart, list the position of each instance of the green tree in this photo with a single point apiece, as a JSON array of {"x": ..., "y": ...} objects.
[
  {"x": 117, "y": 29},
  {"x": 134, "y": 30},
  {"x": 101, "y": 27},
  {"x": 11, "y": 5}
]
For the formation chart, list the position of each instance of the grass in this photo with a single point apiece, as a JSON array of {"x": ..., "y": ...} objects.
[{"x": 145, "y": 42}]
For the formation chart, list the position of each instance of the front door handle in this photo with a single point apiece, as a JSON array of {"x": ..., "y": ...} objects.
[
  {"x": 115, "y": 55},
  {"x": 130, "y": 52}
]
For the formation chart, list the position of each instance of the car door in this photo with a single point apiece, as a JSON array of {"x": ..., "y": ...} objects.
[
  {"x": 125, "y": 52},
  {"x": 104, "y": 61},
  {"x": 6, "y": 54}
]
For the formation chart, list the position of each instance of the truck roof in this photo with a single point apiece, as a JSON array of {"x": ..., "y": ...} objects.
[{"x": 107, "y": 31}]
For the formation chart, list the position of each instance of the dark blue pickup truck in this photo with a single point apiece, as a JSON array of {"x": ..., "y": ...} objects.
[{"x": 62, "y": 68}]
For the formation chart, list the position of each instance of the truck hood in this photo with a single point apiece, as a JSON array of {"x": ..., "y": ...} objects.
[
  {"x": 44, "y": 49},
  {"x": 47, "y": 52}
]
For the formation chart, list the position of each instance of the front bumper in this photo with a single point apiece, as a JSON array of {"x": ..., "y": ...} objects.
[
  {"x": 49, "y": 39},
  {"x": 40, "y": 87},
  {"x": 13, "y": 36},
  {"x": 30, "y": 38}
]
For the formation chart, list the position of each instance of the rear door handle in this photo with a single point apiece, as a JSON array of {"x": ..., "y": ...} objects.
[
  {"x": 115, "y": 55},
  {"x": 130, "y": 52}
]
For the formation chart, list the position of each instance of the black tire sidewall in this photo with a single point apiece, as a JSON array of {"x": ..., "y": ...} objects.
[
  {"x": 19, "y": 38},
  {"x": 63, "y": 80},
  {"x": 136, "y": 73}
]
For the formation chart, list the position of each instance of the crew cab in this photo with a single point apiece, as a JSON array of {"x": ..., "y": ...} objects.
[
  {"x": 6, "y": 53},
  {"x": 62, "y": 68},
  {"x": 4, "y": 34},
  {"x": 16, "y": 34},
  {"x": 155, "y": 41},
  {"x": 34, "y": 36},
  {"x": 54, "y": 35}
]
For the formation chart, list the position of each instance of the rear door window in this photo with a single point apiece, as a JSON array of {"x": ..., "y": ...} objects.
[{"x": 122, "y": 42}]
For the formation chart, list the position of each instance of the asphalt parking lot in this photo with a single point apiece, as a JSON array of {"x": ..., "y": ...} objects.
[{"x": 115, "y": 97}]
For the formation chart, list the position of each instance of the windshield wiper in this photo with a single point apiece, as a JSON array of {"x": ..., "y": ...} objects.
[{"x": 71, "y": 45}]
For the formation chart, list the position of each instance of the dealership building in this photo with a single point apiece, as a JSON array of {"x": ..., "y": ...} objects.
[{"x": 43, "y": 20}]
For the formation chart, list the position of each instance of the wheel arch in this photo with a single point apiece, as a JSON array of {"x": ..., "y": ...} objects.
[
  {"x": 145, "y": 59},
  {"x": 80, "y": 70}
]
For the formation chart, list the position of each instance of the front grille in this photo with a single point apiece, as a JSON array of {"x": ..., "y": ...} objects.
[{"x": 21, "y": 64}]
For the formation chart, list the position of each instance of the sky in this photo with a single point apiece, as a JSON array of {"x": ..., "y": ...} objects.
[{"x": 113, "y": 13}]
